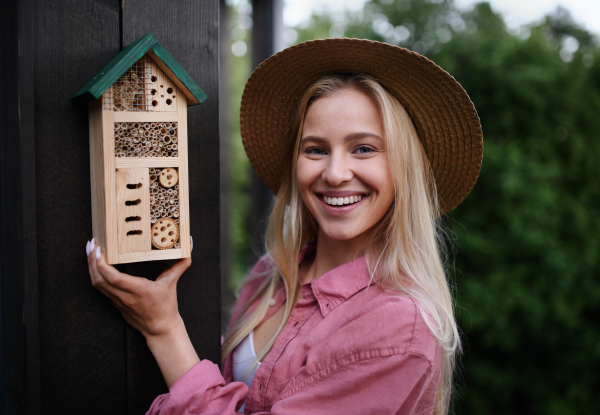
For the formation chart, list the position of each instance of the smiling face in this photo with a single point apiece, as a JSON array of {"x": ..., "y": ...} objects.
[{"x": 343, "y": 172}]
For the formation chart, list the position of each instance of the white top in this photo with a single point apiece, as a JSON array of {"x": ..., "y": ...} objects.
[{"x": 243, "y": 358}]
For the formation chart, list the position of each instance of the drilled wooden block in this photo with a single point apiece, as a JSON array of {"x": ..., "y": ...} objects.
[{"x": 133, "y": 210}]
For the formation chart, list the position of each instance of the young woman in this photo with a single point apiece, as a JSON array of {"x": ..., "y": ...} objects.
[{"x": 349, "y": 311}]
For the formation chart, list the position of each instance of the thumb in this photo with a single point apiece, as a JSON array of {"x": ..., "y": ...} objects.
[{"x": 172, "y": 275}]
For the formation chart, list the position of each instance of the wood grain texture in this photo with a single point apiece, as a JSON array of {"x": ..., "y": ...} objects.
[
  {"x": 81, "y": 333},
  {"x": 126, "y": 116},
  {"x": 153, "y": 255},
  {"x": 190, "y": 33},
  {"x": 165, "y": 101},
  {"x": 133, "y": 211},
  {"x": 131, "y": 162},
  {"x": 184, "y": 199},
  {"x": 109, "y": 185},
  {"x": 19, "y": 315},
  {"x": 97, "y": 173}
]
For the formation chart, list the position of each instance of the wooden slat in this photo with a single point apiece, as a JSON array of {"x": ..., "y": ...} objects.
[
  {"x": 97, "y": 173},
  {"x": 153, "y": 255},
  {"x": 108, "y": 145},
  {"x": 144, "y": 116},
  {"x": 132, "y": 162},
  {"x": 138, "y": 179},
  {"x": 184, "y": 201}
]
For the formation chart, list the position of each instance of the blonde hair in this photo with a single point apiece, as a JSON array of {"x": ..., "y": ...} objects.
[{"x": 404, "y": 253}]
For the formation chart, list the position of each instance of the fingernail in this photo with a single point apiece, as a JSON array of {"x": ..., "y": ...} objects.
[
  {"x": 92, "y": 243},
  {"x": 98, "y": 254},
  {"x": 87, "y": 248},
  {"x": 191, "y": 243}
]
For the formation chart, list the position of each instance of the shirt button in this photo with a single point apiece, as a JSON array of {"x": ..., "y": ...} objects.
[{"x": 272, "y": 302}]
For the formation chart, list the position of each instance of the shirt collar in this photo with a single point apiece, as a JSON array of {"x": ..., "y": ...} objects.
[{"x": 336, "y": 286}]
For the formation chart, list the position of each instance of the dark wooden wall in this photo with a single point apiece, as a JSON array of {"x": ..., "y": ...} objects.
[{"x": 65, "y": 348}]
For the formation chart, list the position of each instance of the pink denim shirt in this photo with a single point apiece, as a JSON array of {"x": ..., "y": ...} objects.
[{"x": 347, "y": 348}]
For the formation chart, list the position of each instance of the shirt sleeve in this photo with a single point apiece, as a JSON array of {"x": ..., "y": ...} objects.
[{"x": 202, "y": 390}]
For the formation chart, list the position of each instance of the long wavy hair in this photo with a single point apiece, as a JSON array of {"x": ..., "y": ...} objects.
[{"x": 404, "y": 254}]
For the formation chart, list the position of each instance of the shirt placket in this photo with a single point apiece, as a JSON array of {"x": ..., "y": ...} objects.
[{"x": 266, "y": 390}]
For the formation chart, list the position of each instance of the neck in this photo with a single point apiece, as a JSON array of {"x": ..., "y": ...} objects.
[{"x": 331, "y": 254}]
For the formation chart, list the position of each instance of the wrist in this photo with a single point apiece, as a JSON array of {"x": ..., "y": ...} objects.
[{"x": 173, "y": 351}]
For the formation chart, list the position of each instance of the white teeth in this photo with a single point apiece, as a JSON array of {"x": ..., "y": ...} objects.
[{"x": 339, "y": 201}]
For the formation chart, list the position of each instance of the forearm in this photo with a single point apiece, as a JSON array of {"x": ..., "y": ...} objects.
[{"x": 173, "y": 352}]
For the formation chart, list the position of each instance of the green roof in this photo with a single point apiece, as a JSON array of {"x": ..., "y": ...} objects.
[{"x": 125, "y": 60}]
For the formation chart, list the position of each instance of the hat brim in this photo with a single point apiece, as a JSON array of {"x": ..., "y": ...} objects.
[{"x": 443, "y": 114}]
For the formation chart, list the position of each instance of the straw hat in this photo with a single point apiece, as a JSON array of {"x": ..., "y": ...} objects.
[{"x": 443, "y": 114}]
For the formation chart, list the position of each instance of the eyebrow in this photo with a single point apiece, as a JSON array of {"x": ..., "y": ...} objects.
[{"x": 349, "y": 137}]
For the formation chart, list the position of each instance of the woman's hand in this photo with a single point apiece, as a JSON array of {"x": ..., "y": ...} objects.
[{"x": 150, "y": 307}]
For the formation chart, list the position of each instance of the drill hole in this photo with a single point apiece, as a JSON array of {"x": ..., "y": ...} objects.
[
  {"x": 134, "y": 233},
  {"x": 153, "y": 91},
  {"x": 169, "y": 90},
  {"x": 169, "y": 102},
  {"x": 153, "y": 78},
  {"x": 134, "y": 186},
  {"x": 132, "y": 202},
  {"x": 133, "y": 219},
  {"x": 154, "y": 103}
]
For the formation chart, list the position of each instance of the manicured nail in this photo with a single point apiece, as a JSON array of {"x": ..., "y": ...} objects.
[
  {"x": 87, "y": 248},
  {"x": 92, "y": 244},
  {"x": 98, "y": 254},
  {"x": 191, "y": 243}
]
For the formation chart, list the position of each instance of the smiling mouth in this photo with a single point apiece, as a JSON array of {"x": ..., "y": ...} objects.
[{"x": 342, "y": 201}]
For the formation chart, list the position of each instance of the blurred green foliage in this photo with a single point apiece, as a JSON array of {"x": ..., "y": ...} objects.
[{"x": 527, "y": 239}]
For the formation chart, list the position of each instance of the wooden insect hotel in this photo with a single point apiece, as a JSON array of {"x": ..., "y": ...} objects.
[{"x": 138, "y": 154}]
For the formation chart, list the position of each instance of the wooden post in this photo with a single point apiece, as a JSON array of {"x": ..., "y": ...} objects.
[
  {"x": 65, "y": 348},
  {"x": 267, "y": 17}
]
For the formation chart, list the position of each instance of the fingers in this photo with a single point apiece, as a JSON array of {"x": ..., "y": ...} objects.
[{"x": 107, "y": 278}]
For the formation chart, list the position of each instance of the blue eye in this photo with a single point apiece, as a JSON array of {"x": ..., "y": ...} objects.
[
  {"x": 364, "y": 150},
  {"x": 315, "y": 151}
]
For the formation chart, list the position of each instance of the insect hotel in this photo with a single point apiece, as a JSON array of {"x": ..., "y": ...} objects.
[{"x": 138, "y": 154}]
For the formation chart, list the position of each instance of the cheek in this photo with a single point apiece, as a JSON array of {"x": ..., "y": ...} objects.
[{"x": 306, "y": 175}]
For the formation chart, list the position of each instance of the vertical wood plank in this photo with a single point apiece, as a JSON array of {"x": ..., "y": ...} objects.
[
  {"x": 97, "y": 173},
  {"x": 133, "y": 202},
  {"x": 184, "y": 200},
  {"x": 110, "y": 188},
  {"x": 190, "y": 33},
  {"x": 19, "y": 321},
  {"x": 81, "y": 333}
]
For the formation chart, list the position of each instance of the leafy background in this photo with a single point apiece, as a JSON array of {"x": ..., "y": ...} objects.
[{"x": 526, "y": 242}]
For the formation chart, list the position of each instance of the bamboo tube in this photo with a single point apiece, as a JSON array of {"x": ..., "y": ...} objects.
[{"x": 146, "y": 126}]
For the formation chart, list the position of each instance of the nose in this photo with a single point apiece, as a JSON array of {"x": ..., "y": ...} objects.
[{"x": 337, "y": 171}]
